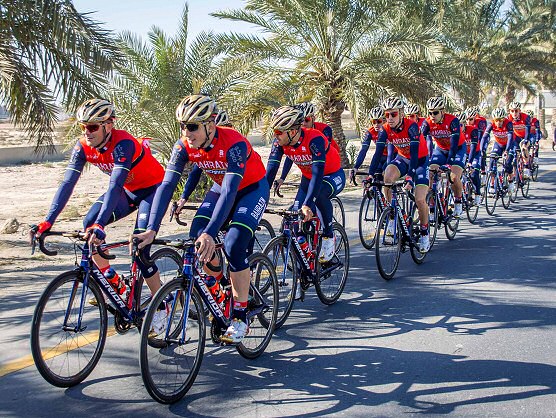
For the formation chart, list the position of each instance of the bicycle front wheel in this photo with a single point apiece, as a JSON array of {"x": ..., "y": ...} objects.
[
  {"x": 368, "y": 216},
  {"x": 434, "y": 210},
  {"x": 263, "y": 235},
  {"x": 525, "y": 188},
  {"x": 332, "y": 276},
  {"x": 471, "y": 208},
  {"x": 491, "y": 199},
  {"x": 387, "y": 247},
  {"x": 262, "y": 307},
  {"x": 169, "y": 264},
  {"x": 169, "y": 367},
  {"x": 505, "y": 193},
  {"x": 417, "y": 256},
  {"x": 338, "y": 211},
  {"x": 65, "y": 354},
  {"x": 282, "y": 257},
  {"x": 451, "y": 226}
]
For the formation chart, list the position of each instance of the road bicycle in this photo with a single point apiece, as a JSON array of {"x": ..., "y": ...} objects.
[
  {"x": 440, "y": 199},
  {"x": 497, "y": 187},
  {"x": 68, "y": 332},
  {"x": 170, "y": 360},
  {"x": 296, "y": 266},
  {"x": 468, "y": 195}
]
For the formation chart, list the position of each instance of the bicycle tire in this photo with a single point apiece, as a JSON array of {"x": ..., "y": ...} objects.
[
  {"x": 434, "y": 222},
  {"x": 369, "y": 212},
  {"x": 338, "y": 211},
  {"x": 261, "y": 323},
  {"x": 518, "y": 181},
  {"x": 264, "y": 234},
  {"x": 417, "y": 256},
  {"x": 186, "y": 358},
  {"x": 44, "y": 354},
  {"x": 286, "y": 273},
  {"x": 535, "y": 172},
  {"x": 387, "y": 272},
  {"x": 506, "y": 195},
  {"x": 525, "y": 188},
  {"x": 328, "y": 290},
  {"x": 471, "y": 208},
  {"x": 491, "y": 199},
  {"x": 451, "y": 226}
]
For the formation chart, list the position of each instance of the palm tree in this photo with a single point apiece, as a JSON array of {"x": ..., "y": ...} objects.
[
  {"x": 339, "y": 52},
  {"x": 49, "y": 52}
]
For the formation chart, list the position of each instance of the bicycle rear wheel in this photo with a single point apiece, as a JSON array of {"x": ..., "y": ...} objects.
[
  {"x": 525, "y": 188},
  {"x": 434, "y": 222},
  {"x": 332, "y": 276},
  {"x": 505, "y": 191},
  {"x": 417, "y": 256},
  {"x": 518, "y": 181},
  {"x": 262, "y": 307},
  {"x": 387, "y": 248},
  {"x": 170, "y": 367},
  {"x": 283, "y": 259},
  {"x": 66, "y": 357},
  {"x": 338, "y": 212},
  {"x": 263, "y": 235},
  {"x": 491, "y": 199},
  {"x": 169, "y": 263},
  {"x": 471, "y": 208},
  {"x": 451, "y": 226},
  {"x": 369, "y": 212},
  {"x": 535, "y": 172}
]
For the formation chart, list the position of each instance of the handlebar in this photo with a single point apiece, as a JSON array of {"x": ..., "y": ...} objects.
[{"x": 80, "y": 235}]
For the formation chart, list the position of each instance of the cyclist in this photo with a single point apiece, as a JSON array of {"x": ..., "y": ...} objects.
[
  {"x": 522, "y": 125},
  {"x": 502, "y": 130},
  {"x": 412, "y": 160},
  {"x": 228, "y": 158},
  {"x": 322, "y": 176},
  {"x": 471, "y": 133},
  {"x": 377, "y": 120},
  {"x": 535, "y": 135},
  {"x": 413, "y": 112},
  {"x": 444, "y": 128},
  {"x": 308, "y": 109}
]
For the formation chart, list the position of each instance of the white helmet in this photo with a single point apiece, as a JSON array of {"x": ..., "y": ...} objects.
[
  {"x": 222, "y": 118},
  {"x": 436, "y": 103},
  {"x": 471, "y": 112},
  {"x": 530, "y": 113},
  {"x": 499, "y": 113},
  {"x": 195, "y": 108},
  {"x": 307, "y": 108},
  {"x": 514, "y": 105},
  {"x": 95, "y": 111},
  {"x": 286, "y": 117},
  {"x": 392, "y": 103},
  {"x": 412, "y": 109},
  {"x": 376, "y": 113}
]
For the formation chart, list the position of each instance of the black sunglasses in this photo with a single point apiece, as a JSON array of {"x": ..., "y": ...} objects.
[
  {"x": 191, "y": 127},
  {"x": 434, "y": 112}
]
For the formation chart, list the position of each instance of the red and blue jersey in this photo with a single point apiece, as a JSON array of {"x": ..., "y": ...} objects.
[
  {"x": 402, "y": 139},
  {"x": 521, "y": 125},
  {"x": 502, "y": 134},
  {"x": 470, "y": 134},
  {"x": 443, "y": 132},
  {"x": 327, "y": 131}
]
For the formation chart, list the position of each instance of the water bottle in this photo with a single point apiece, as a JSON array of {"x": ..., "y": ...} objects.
[
  {"x": 115, "y": 280},
  {"x": 214, "y": 288},
  {"x": 303, "y": 244}
]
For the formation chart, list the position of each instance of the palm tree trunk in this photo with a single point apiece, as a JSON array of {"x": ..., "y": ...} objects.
[
  {"x": 333, "y": 116},
  {"x": 509, "y": 95}
]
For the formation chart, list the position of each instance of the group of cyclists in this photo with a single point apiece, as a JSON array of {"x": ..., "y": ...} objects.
[{"x": 407, "y": 145}]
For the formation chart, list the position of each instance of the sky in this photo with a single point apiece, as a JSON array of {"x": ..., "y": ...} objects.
[{"x": 139, "y": 16}]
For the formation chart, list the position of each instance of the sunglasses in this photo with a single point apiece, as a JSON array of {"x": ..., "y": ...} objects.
[
  {"x": 191, "y": 127},
  {"x": 91, "y": 128},
  {"x": 278, "y": 132},
  {"x": 498, "y": 119},
  {"x": 391, "y": 114},
  {"x": 470, "y": 119},
  {"x": 434, "y": 112},
  {"x": 376, "y": 121},
  {"x": 413, "y": 115},
  {"x": 514, "y": 110},
  {"x": 308, "y": 119}
]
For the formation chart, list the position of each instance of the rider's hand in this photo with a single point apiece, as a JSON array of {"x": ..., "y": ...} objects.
[
  {"x": 42, "y": 227},
  {"x": 277, "y": 184},
  {"x": 179, "y": 205},
  {"x": 408, "y": 183},
  {"x": 205, "y": 247},
  {"x": 95, "y": 234},
  {"x": 307, "y": 213},
  {"x": 352, "y": 174},
  {"x": 145, "y": 238}
]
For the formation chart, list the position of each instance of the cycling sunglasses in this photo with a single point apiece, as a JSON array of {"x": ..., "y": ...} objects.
[
  {"x": 413, "y": 115},
  {"x": 391, "y": 114},
  {"x": 191, "y": 127},
  {"x": 376, "y": 121},
  {"x": 434, "y": 112},
  {"x": 91, "y": 128},
  {"x": 278, "y": 132},
  {"x": 308, "y": 119},
  {"x": 498, "y": 119}
]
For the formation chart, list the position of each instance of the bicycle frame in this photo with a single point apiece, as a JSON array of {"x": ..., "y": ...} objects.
[{"x": 400, "y": 215}]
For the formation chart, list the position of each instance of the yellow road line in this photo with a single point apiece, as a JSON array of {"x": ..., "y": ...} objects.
[{"x": 26, "y": 361}]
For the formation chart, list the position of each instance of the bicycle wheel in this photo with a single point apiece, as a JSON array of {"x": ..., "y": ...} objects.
[
  {"x": 505, "y": 191},
  {"x": 169, "y": 263},
  {"x": 369, "y": 212},
  {"x": 263, "y": 235},
  {"x": 518, "y": 181},
  {"x": 283, "y": 259},
  {"x": 169, "y": 369},
  {"x": 525, "y": 188},
  {"x": 535, "y": 172},
  {"x": 451, "y": 226},
  {"x": 338, "y": 212},
  {"x": 387, "y": 248},
  {"x": 332, "y": 276},
  {"x": 262, "y": 307},
  {"x": 417, "y": 256},
  {"x": 434, "y": 221},
  {"x": 66, "y": 357},
  {"x": 491, "y": 199},
  {"x": 471, "y": 209}
]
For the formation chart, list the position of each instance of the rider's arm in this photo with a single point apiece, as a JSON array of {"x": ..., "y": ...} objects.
[
  {"x": 474, "y": 142},
  {"x": 527, "y": 127},
  {"x": 455, "y": 130},
  {"x": 164, "y": 192},
  {"x": 73, "y": 172},
  {"x": 123, "y": 157},
  {"x": 365, "y": 144},
  {"x": 510, "y": 127},
  {"x": 274, "y": 160},
  {"x": 391, "y": 153},
  {"x": 192, "y": 181},
  {"x": 415, "y": 137},
  {"x": 318, "y": 154},
  {"x": 538, "y": 130},
  {"x": 380, "y": 144},
  {"x": 286, "y": 169},
  {"x": 425, "y": 131},
  {"x": 237, "y": 161},
  {"x": 481, "y": 126},
  {"x": 486, "y": 137}
]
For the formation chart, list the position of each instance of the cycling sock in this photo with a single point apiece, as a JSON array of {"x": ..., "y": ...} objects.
[
  {"x": 424, "y": 229},
  {"x": 240, "y": 311}
]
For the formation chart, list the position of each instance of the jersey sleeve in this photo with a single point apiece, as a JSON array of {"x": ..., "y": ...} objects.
[
  {"x": 365, "y": 144},
  {"x": 274, "y": 160},
  {"x": 318, "y": 155},
  {"x": 455, "y": 129},
  {"x": 379, "y": 150},
  {"x": 192, "y": 181}
]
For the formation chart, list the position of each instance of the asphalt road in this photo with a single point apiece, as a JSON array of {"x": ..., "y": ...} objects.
[{"x": 471, "y": 332}]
